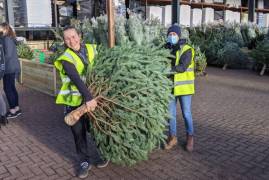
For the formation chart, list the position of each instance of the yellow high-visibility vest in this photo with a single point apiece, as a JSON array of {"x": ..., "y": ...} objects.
[
  {"x": 69, "y": 94},
  {"x": 184, "y": 82}
]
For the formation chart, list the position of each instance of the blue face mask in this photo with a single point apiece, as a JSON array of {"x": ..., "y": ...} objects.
[{"x": 172, "y": 39}]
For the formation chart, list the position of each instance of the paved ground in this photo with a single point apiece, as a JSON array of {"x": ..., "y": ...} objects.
[{"x": 232, "y": 137}]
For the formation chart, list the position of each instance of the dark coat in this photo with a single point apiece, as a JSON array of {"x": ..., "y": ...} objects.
[{"x": 12, "y": 64}]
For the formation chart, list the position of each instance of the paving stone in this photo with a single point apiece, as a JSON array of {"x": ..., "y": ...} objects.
[{"x": 230, "y": 111}]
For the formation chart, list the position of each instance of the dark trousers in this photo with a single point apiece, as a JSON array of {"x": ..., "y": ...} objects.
[
  {"x": 85, "y": 144},
  {"x": 10, "y": 90}
]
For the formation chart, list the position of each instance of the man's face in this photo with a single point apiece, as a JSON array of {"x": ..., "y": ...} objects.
[{"x": 72, "y": 39}]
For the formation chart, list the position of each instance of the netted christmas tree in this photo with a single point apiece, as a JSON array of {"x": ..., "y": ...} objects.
[
  {"x": 231, "y": 55},
  {"x": 261, "y": 52},
  {"x": 133, "y": 94}
]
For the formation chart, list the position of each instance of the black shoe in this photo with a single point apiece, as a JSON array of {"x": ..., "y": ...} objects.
[
  {"x": 84, "y": 170},
  {"x": 102, "y": 164},
  {"x": 4, "y": 120},
  {"x": 13, "y": 115},
  {"x": 18, "y": 112}
]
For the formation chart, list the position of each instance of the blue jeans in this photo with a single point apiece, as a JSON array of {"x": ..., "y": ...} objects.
[{"x": 185, "y": 103}]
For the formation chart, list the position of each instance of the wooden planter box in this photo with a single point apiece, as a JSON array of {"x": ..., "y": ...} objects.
[
  {"x": 40, "y": 44},
  {"x": 41, "y": 77}
]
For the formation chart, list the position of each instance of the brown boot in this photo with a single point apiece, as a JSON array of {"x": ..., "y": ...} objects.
[
  {"x": 172, "y": 141},
  {"x": 189, "y": 146}
]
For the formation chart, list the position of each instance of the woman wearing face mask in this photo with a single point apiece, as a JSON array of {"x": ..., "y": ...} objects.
[{"x": 183, "y": 67}]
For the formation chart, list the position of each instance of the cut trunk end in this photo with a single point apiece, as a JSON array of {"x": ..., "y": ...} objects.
[
  {"x": 263, "y": 69},
  {"x": 225, "y": 66}
]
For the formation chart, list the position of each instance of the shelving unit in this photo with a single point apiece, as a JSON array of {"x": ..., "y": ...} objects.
[
  {"x": 227, "y": 9},
  {"x": 216, "y": 6}
]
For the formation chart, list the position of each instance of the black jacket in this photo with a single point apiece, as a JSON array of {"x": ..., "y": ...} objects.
[
  {"x": 185, "y": 59},
  {"x": 12, "y": 64},
  {"x": 2, "y": 60}
]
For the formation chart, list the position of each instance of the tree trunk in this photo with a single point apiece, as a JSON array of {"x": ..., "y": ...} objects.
[
  {"x": 225, "y": 66},
  {"x": 263, "y": 69},
  {"x": 73, "y": 117}
]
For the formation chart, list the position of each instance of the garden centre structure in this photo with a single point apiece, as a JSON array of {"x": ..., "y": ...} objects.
[
  {"x": 28, "y": 21},
  {"x": 25, "y": 13},
  {"x": 197, "y": 12}
]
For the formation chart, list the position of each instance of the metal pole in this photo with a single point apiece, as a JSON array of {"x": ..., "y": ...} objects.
[
  {"x": 111, "y": 24},
  {"x": 6, "y": 12},
  {"x": 146, "y": 7},
  {"x": 251, "y": 10},
  {"x": 127, "y": 5},
  {"x": 175, "y": 11},
  {"x": 10, "y": 12},
  {"x": 55, "y": 13}
]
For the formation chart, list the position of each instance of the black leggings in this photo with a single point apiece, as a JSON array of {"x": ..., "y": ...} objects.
[
  {"x": 10, "y": 90},
  {"x": 85, "y": 145}
]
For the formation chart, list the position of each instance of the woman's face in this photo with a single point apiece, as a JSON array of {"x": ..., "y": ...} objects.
[
  {"x": 172, "y": 38},
  {"x": 172, "y": 34},
  {"x": 72, "y": 39}
]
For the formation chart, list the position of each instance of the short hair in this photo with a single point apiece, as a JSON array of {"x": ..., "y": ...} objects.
[{"x": 71, "y": 27}]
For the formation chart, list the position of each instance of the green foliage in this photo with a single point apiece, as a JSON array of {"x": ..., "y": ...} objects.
[
  {"x": 135, "y": 29},
  {"x": 185, "y": 33},
  {"x": 133, "y": 95},
  {"x": 197, "y": 37},
  {"x": 231, "y": 55},
  {"x": 261, "y": 52},
  {"x": 58, "y": 48},
  {"x": 232, "y": 33},
  {"x": 120, "y": 30},
  {"x": 251, "y": 34},
  {"x": 213, "y": 39},
  {"x": 153, "y": 32},
  {"x": 100, "y": 30},
  {"x": 200, "y": 61},
  {"x": 24, "y": 51},
  {"x": 87, "y": 31},
  {"x": 58, "y": 33}
]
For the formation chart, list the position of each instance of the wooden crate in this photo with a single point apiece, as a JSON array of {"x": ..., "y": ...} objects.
[
  {"x": 41, "y": 77},
  {"x": 40, "y": 44}
]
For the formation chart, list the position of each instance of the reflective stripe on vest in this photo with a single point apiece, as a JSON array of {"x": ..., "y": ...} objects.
[
  {"x": 65, "y": 92},
  {"x": 66, "y": 79},
  {"x": 190, "y": 70},
  {"x": 184, "y": 82},
  {"x": 69, "y": 94}
]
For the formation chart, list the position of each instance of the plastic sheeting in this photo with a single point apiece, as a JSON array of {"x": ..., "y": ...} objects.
[
  {"x": 167, "y": 15},
  {"x": 155, "y": 12},
  {"x": 196, "y": 17},
  {"x": 231, "y": 16},
  {"x": 185, "y": 15},
  {"x": 209, "y": 15},
  {"x": 38, "y": 13}
]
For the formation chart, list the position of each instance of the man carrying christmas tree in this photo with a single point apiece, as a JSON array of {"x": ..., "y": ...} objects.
[
  {"x": 72, "y": 66},
  {"x": 183, "y": 67}
]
